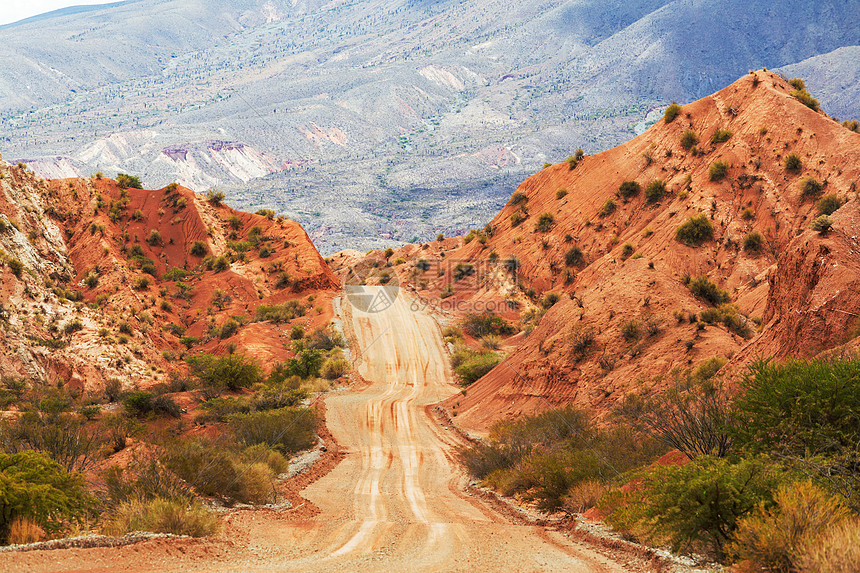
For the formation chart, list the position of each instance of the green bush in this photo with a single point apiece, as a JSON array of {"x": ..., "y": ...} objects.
[
  {"x": 35, "y": 487},
  {"x": 828, "y": 204},
  {"x": 545, "y": 223},
  {"x": 48, "y": 426},
  {"x": 631, "y": 330},
  {"x": 140, "y": 404},
  {"x": 198, "y": 249},
  {"x": 154, "y": 238},
  {"x": 718, "y": 170},
  {"x": 806, "y": 99},
  {"x": 671, "y": 112},
  {"x": 307, "y": 363},
  {"x": 215, "y": 197},
  {"x": 629, "y": 189},
  {"x": 705, "y": 289},
  {"x": 228, "y": 328},
  {"x": 627, "y": 251},
  {"x": 125, "y": 181},
  {"x": 721, "y": 136},
  {"x": 607, "y": 208},
  {"x": 695, "y": 506},
  {"x": 753, "y": 242},
  {"x": 793, "y": 163},
  {"x": 325, "y": 339},
  {"x": 573, "y": 257},
  {"x": 334, "y": 368},
  {"x": 809, "y": 187},
  {"x": 279, "y": 313},
  {"x": 517, "y": 217},
  {"x": 518, "y": 197},
  {"x": 822, "y": 224},
  {"x": 486, "y": 323},
  {"x": 476, "y": 366},
  {"x": 231, "y": 372},
  {"x": 689, "y": 139},
  {"x": 695, "y": 231},
  {"x": 655, "y": 190},
  {"x": 16, "y": 266},
  {"x": 561, "y": 193},
  {"x": 287, "y": 430}
]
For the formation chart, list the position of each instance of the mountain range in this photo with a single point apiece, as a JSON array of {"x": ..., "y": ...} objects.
[{"x": 373, "y": 123}]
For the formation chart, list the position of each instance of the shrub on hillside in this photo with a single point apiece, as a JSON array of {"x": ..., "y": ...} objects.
[
  {"x": 718, "y": 170},
  {"x": 287, "y": 430},
  {"x": 809, "y": 187},
  {"x": 753, "y": 242},
  {"x": 705, "y": 289},
  {"x": 793, "y": 163},
  {"x": 721, "y": 136},
  {"x": 822, "y": 224},
  {"x": 689, "y": 139},
  {"x": 828, "y": 204},
  {"x": 518, "y": 197},
  {"x": 545, "y": 223},
  {"x": 220, "y": 373},
  {"x": 673, "y": 111},
  {"x": 655, "y": 190},
  {"x": 695, "y": 231},
  {"x": 141, "y": 404},
  {"x": 486, "y": 323},
  {"x": 629, "y": 189},
  {"x": 476, "y": 366},
  {"x": 198, "y": 249},
  {"x": 517, "y": 217},
  {"x": 573, "y": 257},
  {"x": 607, "y": 208},
  {"x": 124, "y": 181},
  {"x": 279, "y": 313},
  {"x": 162, "y": 516}
]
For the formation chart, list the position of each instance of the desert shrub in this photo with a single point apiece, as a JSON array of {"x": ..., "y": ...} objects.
[
  {"x": 695, "y": 231},
  {"x": 49, "y": 427},
  {"x": 728, "y": 315},
  {"x": 607, "y": 208},
  {"x": 125, "y": 181},
  {"x": 718, "y": 170},
  {"x": 334, "y": 368},
  {"x": 655, "y": 190},
  {"x": 747, "y": 214},
  {"x": 37, "y": 488},
  {"x": 154, "y": 238},
  {"x": 279, "y": 313},
  {"x": 144, "y": 479},
  {"x": 695, "y": 506},
  {"x": 307, "y": 362},
  {"x": 476, "y": 366},
  {"x": 627, "y": 251},
  {"x": 215, "y": 197},
  {"x": 822, "y": 224},
  {"x": 463, "y": 270},
  {"x": 325, "y": 339},
  {"x": 141, "y": 404},
  {"x": 774, "y": 539},
  {"x": 721, "y": 136},
  {"x": 198, "y": 249},
  {"x": 73, "y": 326},
  {"x": 519, "y": 197},
  {"x": 581, "y": 340},
  {"x": 573, "y": 257},
  {"x": 219, "y": 373},
  {"x": 482, "y": 324},
  {"x": 631, "y": 330},
  {"x": 228, "y": 328},
  {"x": 561, "y": 193},
  {"x": 837, "y": 550},
  {"x": 545, "y": 223},
  {"x": 23, "y": 531},
  {"x": 549, "y": 300},
  {"x": 163, "y": 516},
  {"x": 673, "y": 111},
  {"x": 793, "y": 163},
  {"x": 583, "y": 496},
  {"x": 16, "y": 266},
  {"x": 851, "y": 124},
  {"x": 629, "y": 189},
  {"x": 705, "y": 289},
  {"x": 287, "y": 430},
  {"x": 517, "y": 217},
  {"x": 806, "y": 99},
  {"x": 691, "y": 416},
  {"x": 753, "y": 242},
  {"x": 828, "y": 204},
  {"x": 141, "y": 283},
  {"x": 689, "y": 139},
  {"x": 809, "y": 187}
]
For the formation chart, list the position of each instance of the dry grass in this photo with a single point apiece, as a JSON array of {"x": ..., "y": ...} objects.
[
  {"x": 583, "y": 496},
  {"x": 835, "y": 551},
  {"x": 24, "y": 530},
  {"x": 163, "y": 516}
]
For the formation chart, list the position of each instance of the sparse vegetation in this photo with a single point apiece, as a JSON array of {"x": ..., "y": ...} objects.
[
  {"x": 703, "y": 288},
  {"x": 607, "y": 208},
  {"x": 753, "y": 242},
  {"x": 124, "y": 181},
  {"x": 718, "y": 170},
  {"x": 629, "y": 189},
  {"x": 828, "y": 204},
  {"x": 721, "y": 136},
  {"x": 689, "y": 139},
  {"x": 545, "y": 223},
  {"x": 822, "y": 224},
  {"x": 809, "y": 187},
  {"x": 198, "y": 249},
  {"x": 793, "y": 163}
]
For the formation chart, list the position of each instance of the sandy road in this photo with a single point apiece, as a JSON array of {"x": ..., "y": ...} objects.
[{"x": 396, "y": 502}]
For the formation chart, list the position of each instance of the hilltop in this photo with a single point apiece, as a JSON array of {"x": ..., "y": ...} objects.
[
  {"x": 636, "y": 300},
  {"x": 103, "y": 280}
]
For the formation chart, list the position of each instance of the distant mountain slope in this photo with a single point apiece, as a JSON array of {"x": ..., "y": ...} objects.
[{"x": 357, "y": 99}]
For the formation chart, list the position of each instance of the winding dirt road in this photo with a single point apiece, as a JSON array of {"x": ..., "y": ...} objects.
[{"x": 396, "y": 502}]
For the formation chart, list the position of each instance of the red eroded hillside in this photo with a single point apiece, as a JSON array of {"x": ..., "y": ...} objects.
[
  {"x": 749, "y": 165},
  {"x": 120, "y": 282}
]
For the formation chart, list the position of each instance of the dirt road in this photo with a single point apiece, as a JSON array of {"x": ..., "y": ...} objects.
[{"x": 395, "y": 503}]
